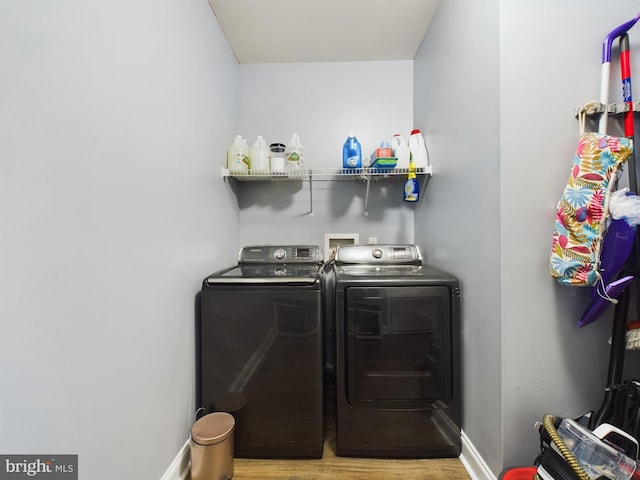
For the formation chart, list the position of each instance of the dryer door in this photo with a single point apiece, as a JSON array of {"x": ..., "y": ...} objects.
[{"x": 399, "y": 347}]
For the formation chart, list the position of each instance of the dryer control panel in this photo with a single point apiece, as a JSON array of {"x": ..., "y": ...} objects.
[{"x": 379, "y": 254}]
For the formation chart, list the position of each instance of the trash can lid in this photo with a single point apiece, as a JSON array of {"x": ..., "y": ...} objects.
[{"x": 212, "y": 428}]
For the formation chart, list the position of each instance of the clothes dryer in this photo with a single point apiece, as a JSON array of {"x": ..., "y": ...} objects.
[{"x": 397, "y": 354}]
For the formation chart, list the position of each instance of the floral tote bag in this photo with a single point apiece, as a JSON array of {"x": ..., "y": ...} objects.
[{"x": 582, "y": 211}]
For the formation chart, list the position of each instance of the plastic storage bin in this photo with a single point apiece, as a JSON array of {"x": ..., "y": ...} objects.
[
  {"x": 597, "y": 458},
  {"x": 212, "y": 447}
]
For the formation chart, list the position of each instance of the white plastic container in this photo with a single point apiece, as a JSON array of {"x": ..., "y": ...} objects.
[
  {"x": 400, "y": 149},
  {"x": 245, "y": 148},
  {"x": 259, "y": 156},
  {"x": 238, "y": 155},
  {"x": 418, "y": 149},
  {"x": 294, "y": 155},
  {"x": 395, "y": 141}
]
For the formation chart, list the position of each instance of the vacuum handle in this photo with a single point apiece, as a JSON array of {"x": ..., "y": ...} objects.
[
  {"x": 606, "y": 67},
  {"x": 615, "y": 33}
]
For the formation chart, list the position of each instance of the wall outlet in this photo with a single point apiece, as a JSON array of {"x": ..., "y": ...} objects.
[{"x": 372, "y": 240}]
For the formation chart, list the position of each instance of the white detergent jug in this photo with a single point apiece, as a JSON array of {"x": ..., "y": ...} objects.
[
  {"x": 294, "y": 154},
  {"x": 238, "y": 155},
  {"x": 400, "y": 149},
  {"x": 259, "y": 156},
  {"x": 418, "y": 149}
]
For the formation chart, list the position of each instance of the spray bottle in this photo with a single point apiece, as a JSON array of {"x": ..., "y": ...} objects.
[{"x": 411, "y": 186}]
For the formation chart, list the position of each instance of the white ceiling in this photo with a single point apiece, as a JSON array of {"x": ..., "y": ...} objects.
[{"x": 271, "y": 31}]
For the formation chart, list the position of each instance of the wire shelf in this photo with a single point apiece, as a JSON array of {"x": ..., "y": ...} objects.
[{"x": 331, "y": 174}]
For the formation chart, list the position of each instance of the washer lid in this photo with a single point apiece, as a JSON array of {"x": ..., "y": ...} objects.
[
  {"x": 212, "y": 428},
  {"x": 268, "y": 273}
]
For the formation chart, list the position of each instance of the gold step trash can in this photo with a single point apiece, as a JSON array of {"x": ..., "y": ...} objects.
[{"x": 212, "y": 447}]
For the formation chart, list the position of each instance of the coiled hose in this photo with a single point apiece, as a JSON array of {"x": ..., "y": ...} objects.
[{"x": 549, "y": 425}]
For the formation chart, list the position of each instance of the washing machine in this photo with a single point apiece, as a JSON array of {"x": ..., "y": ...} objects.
[
  {"x": 397, "y": 354},
  {"x": 260, "y": 349}
]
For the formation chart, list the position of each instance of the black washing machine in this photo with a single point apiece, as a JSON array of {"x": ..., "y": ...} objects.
[
  {"x": 260, "y": 344},
  {"x": 397, "y": 354}
]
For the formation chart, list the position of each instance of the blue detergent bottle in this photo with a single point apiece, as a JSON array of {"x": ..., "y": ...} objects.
[{"x": 352, "y": 152}]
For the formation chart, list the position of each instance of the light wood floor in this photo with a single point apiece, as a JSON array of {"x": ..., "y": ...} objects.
[{"x": 332, "y": 467}]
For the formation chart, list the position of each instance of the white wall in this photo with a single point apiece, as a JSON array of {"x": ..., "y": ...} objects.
[
  {"x": 111, "y": 208},
  {"x": 457, "y": 94},
  {"x": 567, "y": 371},
  {"x": 114, "y": 120},
  {"x": 503, "y": 134},
  {"x": 323, "y": 102}
]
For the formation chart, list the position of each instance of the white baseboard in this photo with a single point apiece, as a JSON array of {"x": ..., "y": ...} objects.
[
  {"x": 181, "y": 465},
  {"x": 473, "y": 462},
  {"x": 470, "y": 458}
]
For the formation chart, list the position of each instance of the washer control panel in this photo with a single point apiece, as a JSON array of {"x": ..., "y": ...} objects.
[{"x": 280, "y": 254}]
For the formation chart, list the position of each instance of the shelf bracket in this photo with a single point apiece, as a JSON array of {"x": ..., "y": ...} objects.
[
  {"x": 424, "y": 186},
  {"x": 366, "y": 197},
  {"x": 310, "y": 194}
]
